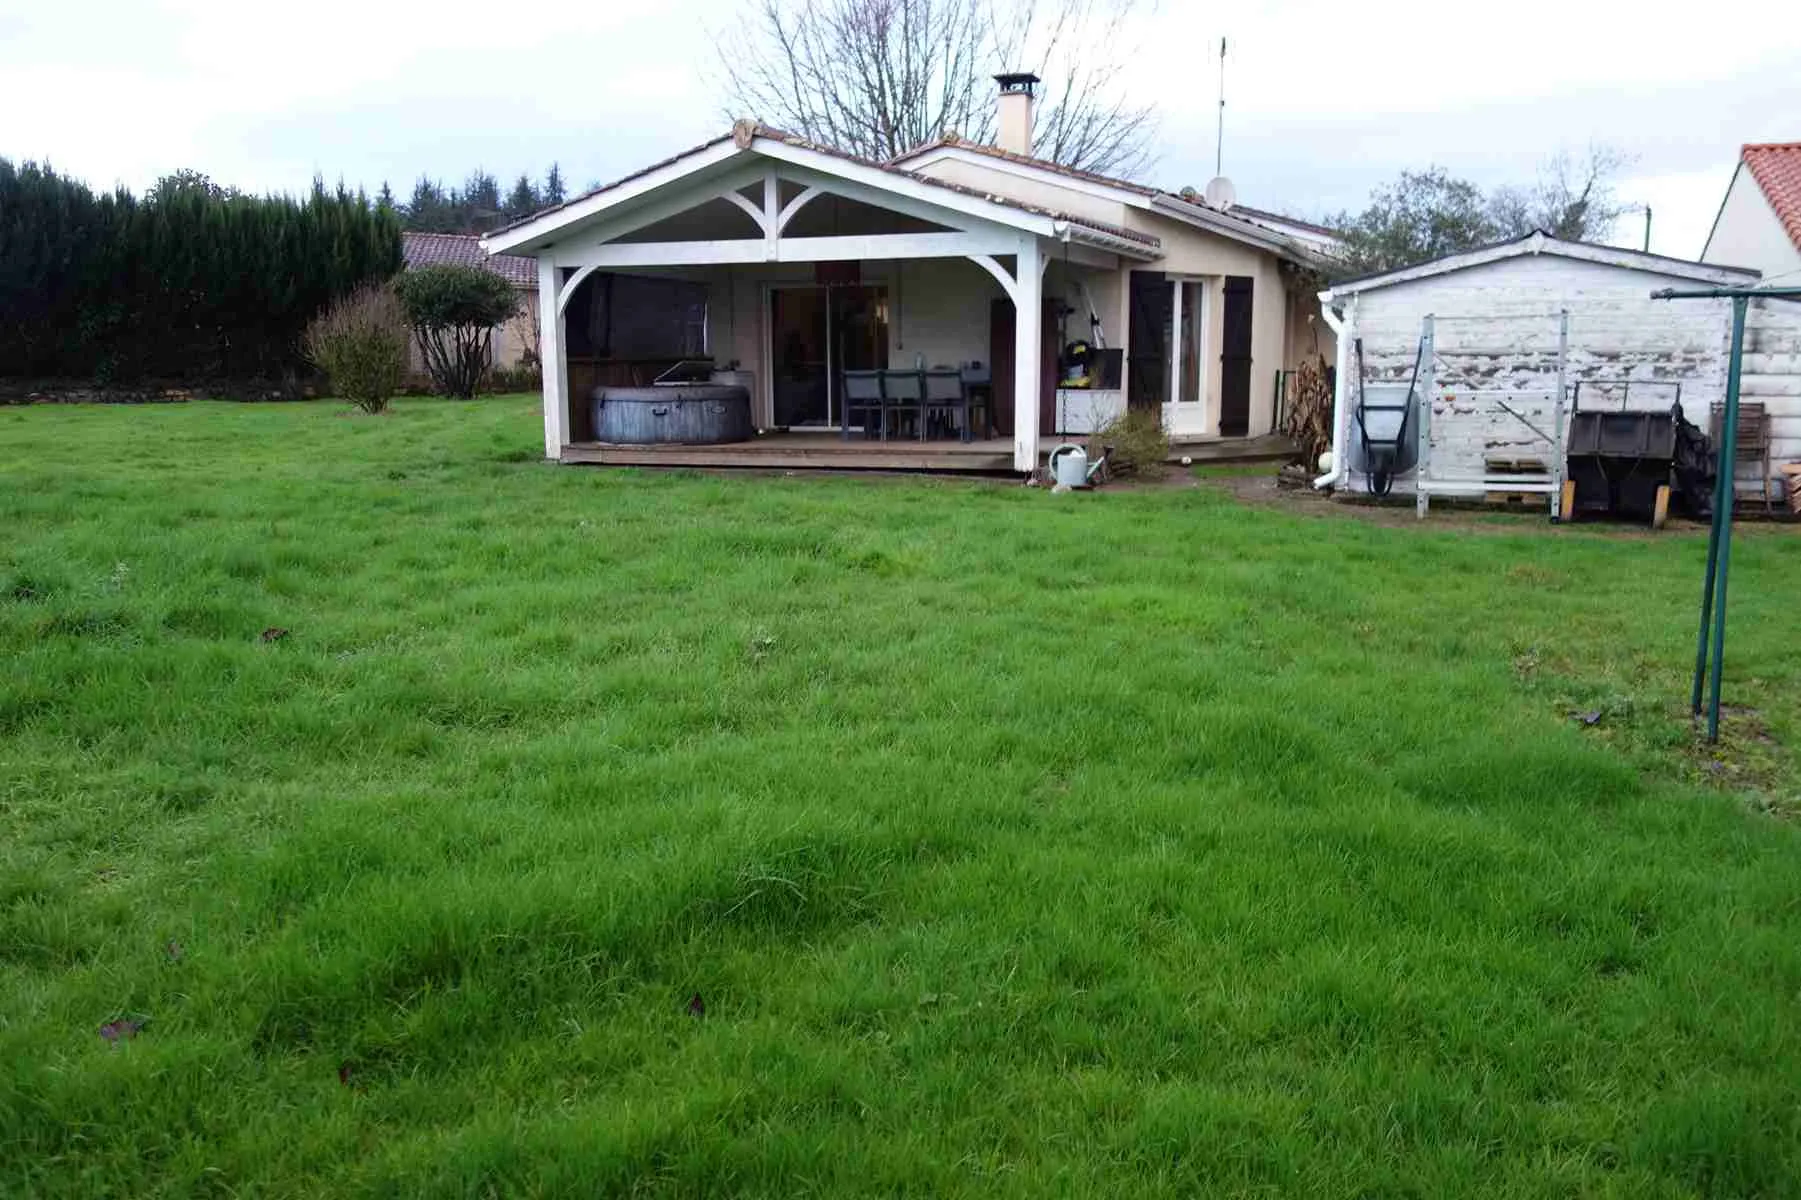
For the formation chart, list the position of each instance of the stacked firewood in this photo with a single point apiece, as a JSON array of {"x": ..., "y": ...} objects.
[
  {"x": 1791, "y": 486},
  {"x": 1307, "y": 415}
]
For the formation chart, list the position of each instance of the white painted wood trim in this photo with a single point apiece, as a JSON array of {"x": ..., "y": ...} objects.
[
  {"x": 738, "y": 198},
  {"x": 987, "y": 263},
  {"x": 554, "y": 351},
  {"x": 584, "y": 207},
  {"x": 819, "y": 249},
  {"x": 898, "y": 185},
  {"x": 1173, "y": 402},
  {"x": 1028, "y": 305},
  {"x": 569, "y": 285},
  {"x": 661, "y": 208},
  {"x": 771, "y": 220},
  {"x": 792, "y": 209}
]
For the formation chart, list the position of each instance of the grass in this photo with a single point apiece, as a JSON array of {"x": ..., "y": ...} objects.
[{"x": 1128, "y": 844}]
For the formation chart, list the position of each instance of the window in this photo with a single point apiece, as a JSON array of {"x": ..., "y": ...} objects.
[
  {"x": 1194, "y": 334},
  {"x": 638, "y": 317}
]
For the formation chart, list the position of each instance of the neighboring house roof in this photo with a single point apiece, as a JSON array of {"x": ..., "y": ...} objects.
[
  {"x": 465, "y": 250},
  {"x": 1777, "y": 168},
  {"x": 1543, "y": 243},
  {"x": 1258, "y": 214},
  {"x": 745, "y": 133}
]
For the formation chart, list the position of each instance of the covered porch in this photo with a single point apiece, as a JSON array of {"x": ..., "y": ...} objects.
[{"x": 789, "y": 268}]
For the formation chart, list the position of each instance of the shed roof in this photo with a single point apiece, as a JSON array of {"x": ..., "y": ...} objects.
[
  {"x": 465, "y": 250},
  {"x": 1540, "y": 242}
]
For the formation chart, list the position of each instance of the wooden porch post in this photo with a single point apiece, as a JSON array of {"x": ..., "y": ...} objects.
[
  {"x": 1028, "y": 312},
  {"x": 553, "y": 361}
]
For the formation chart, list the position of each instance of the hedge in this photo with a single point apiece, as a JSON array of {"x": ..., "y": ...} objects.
[{"x": 188, "y": 285}]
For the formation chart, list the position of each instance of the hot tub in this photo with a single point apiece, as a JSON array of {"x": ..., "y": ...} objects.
[{"x": 689, "y": 414}]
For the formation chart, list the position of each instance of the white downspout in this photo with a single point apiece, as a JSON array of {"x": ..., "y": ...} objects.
[{"x": 1336, "y": 475}]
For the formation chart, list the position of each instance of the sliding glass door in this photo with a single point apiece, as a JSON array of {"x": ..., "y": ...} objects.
[{"x": 817, "y": 333}]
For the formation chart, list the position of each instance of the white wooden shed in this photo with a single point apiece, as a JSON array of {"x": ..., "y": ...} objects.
[{"x": 1496, "y": 316}]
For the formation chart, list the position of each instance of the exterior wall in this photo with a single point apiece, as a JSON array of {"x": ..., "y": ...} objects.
[
  {"x": 1210, "y": 257},
  {"x": 1747, "y": 233},
  {"x": 511, "y": 339},
  {"x": 1617, "y": 332},
  {"x": 938, "y": 309},
  {"x": 1770, "y": 374}
]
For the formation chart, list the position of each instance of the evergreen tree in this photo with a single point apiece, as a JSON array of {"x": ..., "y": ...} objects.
[
  {"x": 522, "y": 201},
  {"x": 480, "y": 208},
  {"x": 553, "y": 186}
]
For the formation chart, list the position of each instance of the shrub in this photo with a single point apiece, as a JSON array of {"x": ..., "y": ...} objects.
[
  {"x": 360, "y": 342},
  {"x": 1134, "y": 442},
  {"x": 453, "y": 311}
]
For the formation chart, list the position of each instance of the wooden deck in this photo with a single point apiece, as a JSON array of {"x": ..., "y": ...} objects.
[{"x": 829, "y": 452}]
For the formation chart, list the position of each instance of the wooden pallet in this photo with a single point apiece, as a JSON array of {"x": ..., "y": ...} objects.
[{"x": 1515, "y": 466}]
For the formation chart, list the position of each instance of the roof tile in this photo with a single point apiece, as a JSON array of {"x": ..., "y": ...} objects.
[
  {"x": 1777, "y": 168},
  {"x": 465, "y": 250}
]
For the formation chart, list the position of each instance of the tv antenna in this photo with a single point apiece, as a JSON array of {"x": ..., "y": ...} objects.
[{"x": 1219, "y": 144}]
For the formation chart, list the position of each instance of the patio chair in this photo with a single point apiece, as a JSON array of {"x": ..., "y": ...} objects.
[
  {"x": 904, "y": 394},
  {"x": 1752, "y": 446},
  {"x": 862, "y": 391},
  {"x": 947, "y": 402},
  {"x": 978, "y": 384}
]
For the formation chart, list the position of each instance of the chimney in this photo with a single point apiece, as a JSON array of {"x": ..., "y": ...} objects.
[{"x": 1015, "y": 112}]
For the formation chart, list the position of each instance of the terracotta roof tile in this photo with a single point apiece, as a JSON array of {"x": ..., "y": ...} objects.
[
  {"x": 465, "y": 250},
  {"x": 1777, "y": 168}
]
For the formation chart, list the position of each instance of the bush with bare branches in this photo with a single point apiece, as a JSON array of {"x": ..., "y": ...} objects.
[{"x": 360, "y": 342}]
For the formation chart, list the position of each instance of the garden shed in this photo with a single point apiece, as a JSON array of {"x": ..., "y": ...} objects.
[{"x": 1498, "y": 329}]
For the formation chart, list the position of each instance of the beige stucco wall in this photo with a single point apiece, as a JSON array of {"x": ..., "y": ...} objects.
[
  {"x": 510, "y": 341},
  {"x": 1748, "y": 233}
]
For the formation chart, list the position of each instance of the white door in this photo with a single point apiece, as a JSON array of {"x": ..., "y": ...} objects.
[{"x": 1185, "y": 377}]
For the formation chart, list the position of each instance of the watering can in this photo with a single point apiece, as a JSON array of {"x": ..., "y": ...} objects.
[{"x": 1069, "y": 466}]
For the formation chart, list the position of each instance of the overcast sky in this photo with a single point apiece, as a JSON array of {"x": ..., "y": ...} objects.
[{"x": 1325, "y": 100}]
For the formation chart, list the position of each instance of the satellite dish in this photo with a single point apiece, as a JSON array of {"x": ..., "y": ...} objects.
[{"x": 1220, "y": 193}]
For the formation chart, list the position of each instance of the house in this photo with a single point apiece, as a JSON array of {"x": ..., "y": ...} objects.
[
  {"x": 1759, "y": 222},
  {"x": 1496, "y": 320},
  {"x": 515, "y": 341},
  {"x": 794, "y": 263}
]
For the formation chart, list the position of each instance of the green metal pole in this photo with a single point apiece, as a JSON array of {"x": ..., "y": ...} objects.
[
  {"x": 1728, "y": 460},
  {"x": 1721, "y": 481}
]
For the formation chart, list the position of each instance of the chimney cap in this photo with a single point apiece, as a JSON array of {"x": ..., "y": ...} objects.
[{"x": 1017, "y": 81}]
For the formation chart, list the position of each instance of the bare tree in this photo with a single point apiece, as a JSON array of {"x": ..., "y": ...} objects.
[
  {"x": 878, "y": 77},
  {"x": 1573, "y": 198}
]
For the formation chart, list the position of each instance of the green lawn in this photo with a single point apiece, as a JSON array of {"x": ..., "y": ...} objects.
[{"x": 1132, "y": 844}]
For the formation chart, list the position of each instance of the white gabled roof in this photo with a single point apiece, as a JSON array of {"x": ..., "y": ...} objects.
[
  {"x": 1543, "y": 243},
  {"x": 750, "y": 139}
]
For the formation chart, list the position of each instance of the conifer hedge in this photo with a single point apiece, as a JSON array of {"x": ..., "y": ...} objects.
[{"x": 188, "y": 284}]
